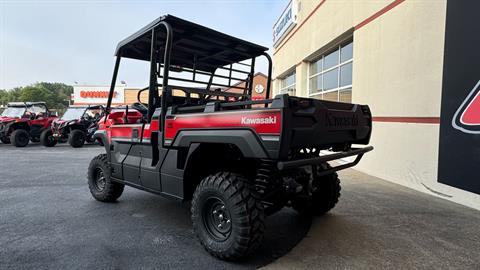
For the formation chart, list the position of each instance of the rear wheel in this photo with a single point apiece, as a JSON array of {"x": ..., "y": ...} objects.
[
  {"x": 76, "y": 138},
  {"x": 47, "y": 139},
  {"x": 20, "y": 138},
  {"x": 324, "y": 196},
  {"x": 226, "y": 217},
  {"x": 100, "y": 183}
]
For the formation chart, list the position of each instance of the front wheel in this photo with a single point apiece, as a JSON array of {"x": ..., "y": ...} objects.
[
  {"x": 76, "y": 139},
  {"x": 20, "y": 138},
  {"x": 47, "y": 139},
  {"x": 226, "y": 217},
  {"x": 5, "y": 140},
  {"x": 100, "y": 182},
  {"x": 100, "y": 142}
]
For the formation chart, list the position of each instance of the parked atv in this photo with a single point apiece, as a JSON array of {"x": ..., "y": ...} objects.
[
  {"x": 22, "y": 122},
  {"x": 235, "y": 161},
  {"x": 76, "y": 126}
]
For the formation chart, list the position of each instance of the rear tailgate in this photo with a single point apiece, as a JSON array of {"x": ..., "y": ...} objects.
[{"x": 323, "y": 124}]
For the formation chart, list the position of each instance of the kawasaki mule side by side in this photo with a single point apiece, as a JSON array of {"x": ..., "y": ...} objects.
[{"x": 236, "y": 159}]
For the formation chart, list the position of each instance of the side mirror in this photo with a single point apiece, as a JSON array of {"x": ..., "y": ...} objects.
[{"x": 54, "y": 114}]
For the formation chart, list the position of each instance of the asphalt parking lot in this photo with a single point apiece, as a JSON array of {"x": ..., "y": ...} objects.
[
  {"x": 48, "y": 220},
  {"x": 381, "y": 225}
]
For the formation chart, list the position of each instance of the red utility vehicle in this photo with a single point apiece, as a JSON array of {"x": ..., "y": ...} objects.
[
  {"x": 22, "y": 122},
  {"x": 234, "y": 161}
]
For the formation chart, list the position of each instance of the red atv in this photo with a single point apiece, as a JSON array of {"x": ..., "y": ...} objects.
[
  {"x": 77, "y": 126},
  {"x": 22, "y": 122},
  {"x": 235, "y": 161}
]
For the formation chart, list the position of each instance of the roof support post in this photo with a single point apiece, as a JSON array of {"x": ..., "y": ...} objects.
[
  {"x": 166, "y": 67},
  {"x": 252, "y": 74},
  {"x": 269, "y": 79},
  {"x": 152, "y": 91},
  {"x": 112, "y": 85}
]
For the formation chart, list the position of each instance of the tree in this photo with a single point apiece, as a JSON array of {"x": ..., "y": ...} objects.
[
  {"x": 34, "y": 93},
  {"x": 10, "y": 95},
  {"x": 61, "y": 92},
  {"x": 56, "y": 95}
]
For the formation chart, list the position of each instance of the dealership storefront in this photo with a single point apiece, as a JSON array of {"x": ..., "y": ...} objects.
[{"x": 414, "y": 62}]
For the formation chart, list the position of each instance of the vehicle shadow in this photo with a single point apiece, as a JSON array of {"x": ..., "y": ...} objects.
[{"x": 284, "y": 230}]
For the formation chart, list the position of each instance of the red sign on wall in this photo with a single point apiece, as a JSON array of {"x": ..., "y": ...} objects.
[{"x": 96, "y": 94}]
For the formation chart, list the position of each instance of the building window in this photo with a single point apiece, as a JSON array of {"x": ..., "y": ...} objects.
[
  {"x": 330, "y": 76},
  {"x": 287, "y": 84}
]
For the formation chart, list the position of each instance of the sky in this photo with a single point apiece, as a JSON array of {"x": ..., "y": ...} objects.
[{"x": 74, "y": 41}]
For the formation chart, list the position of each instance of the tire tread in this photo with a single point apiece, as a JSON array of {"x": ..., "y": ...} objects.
[
  {"x": 251, "y": 224},
  {"x": 113, "y": 190}
]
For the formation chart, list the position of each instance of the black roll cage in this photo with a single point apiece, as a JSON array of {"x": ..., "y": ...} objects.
[
  {"x": 88, "y": 107},
  {"x": 27, "y": 105},
  {"x": 208, "y": 48}
]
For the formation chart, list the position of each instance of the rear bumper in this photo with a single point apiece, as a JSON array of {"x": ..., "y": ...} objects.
[{"x": 359, "y": 152}]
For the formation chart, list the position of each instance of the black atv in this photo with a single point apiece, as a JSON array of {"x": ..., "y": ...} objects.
[{"x": 76, "y": 126}]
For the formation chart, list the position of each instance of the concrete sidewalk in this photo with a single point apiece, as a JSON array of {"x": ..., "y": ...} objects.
[{"x": 380, "y": 225}]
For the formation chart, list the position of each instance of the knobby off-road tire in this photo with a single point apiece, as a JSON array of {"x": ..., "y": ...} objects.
[
  {"x": 76, "y": 139},
  {"x": 324, "y": 197},
  {"x": 5, "y": 140},
  {"x": 100, "y": 183},
  {"x": 225, "y": 198},
  {"x": 20, "y": 138},
  {"x": 47, "y": 139}
]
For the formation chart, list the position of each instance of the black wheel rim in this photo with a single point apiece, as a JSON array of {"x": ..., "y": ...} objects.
[
  {"x": 217, "y": 219},
  {"x": 23, "y": 139},
  {"x": 79, "y": 140},
  {"x": 100, "y": 180},
  {"x": 50, "y": 139}
]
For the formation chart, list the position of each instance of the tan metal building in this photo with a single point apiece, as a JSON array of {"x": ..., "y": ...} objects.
[
  {"x": 397, "y": 57},
  {"x": 259, "y": 86}
]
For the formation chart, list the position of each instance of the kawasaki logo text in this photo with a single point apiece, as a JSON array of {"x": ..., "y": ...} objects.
[
  {"x": 335, "y": 121},
  {"x": 259, "y": 120}
]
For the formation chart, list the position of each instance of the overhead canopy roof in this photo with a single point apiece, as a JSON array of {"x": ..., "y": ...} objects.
[
  {"x": 93, "y": 107},
  {"x": 211, "y": 48},
  {"x": 25, "y": 104}
]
